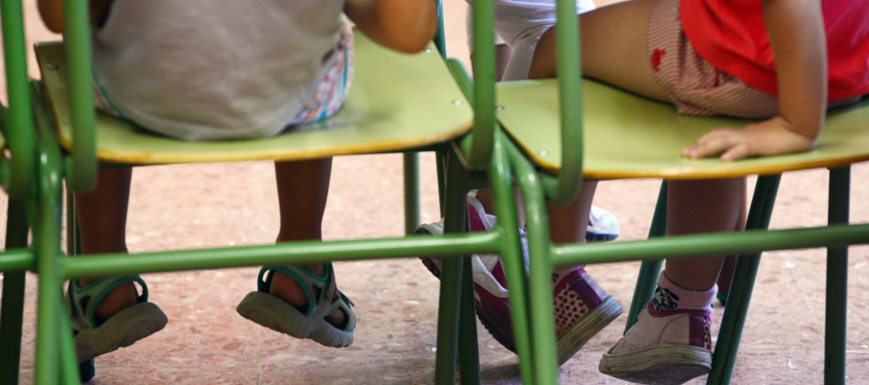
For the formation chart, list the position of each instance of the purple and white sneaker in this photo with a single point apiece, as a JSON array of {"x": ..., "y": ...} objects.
[
  {"x": 582, "y": 308},
  {"x": 663, "y": 347}
]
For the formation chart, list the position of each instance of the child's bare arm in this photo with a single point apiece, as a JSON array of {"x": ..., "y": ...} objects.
[
  {"x": 402, "y": 25},
  {"x": 52, "y": 12},
  {"x": 797, "y": 38}
]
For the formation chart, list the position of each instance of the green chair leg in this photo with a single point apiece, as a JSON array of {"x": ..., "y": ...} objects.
[
  {"x": 837, "y": 281},
  {"x": 68, "y": 363},
  {"x": 451, "y": 276},
  {"x": 647, "y": 280},
  {"x": 13, "y": 297},
  {"x": 469, "y": 355},
  {"x": 736, "y": 309},
  {"x": 411, "y": 192}
]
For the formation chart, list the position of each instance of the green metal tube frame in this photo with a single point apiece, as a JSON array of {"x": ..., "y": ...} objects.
[
  {"x": 16, "y": 173},
  {"x": 82, "y": 167},
  {"x": 569, "y": 64}
]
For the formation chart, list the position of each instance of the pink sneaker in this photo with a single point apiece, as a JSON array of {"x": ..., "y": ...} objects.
[
  {"x": 582, "y": 308},
  {"x": 663, "y": 347}
]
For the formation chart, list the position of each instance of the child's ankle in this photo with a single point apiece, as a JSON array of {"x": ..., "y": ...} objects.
[{"x": 672, "y": 297}]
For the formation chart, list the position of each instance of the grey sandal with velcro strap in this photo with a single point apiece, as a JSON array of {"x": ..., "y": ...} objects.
[
  {"x": 92, "y": 337},
  {"x": 323, "y": 298}
]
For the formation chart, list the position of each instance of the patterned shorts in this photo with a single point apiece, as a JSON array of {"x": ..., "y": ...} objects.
[
  {"x": 694, "y": 85},
  {"x": 325, "y": 100}
]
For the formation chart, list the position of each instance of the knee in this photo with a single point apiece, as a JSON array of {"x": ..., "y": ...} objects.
[{"x": 543, "y": 64}]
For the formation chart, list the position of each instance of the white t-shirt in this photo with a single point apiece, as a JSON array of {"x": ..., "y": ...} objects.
[{"x": 211, "y": 69}]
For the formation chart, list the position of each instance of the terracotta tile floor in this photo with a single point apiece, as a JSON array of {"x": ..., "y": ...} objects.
[{"x": 206, "y": 342}]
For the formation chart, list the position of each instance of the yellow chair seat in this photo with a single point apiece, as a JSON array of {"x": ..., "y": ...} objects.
[
  {"x": 385, "y": 111},
  {"x": 627, "y": 136}
]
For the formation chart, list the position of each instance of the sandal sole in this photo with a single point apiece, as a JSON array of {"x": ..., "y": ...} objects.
[
  {"x": 278, "y": 315},
  {"x": 120, "y": 330}
]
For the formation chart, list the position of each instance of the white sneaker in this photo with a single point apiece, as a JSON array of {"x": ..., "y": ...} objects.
[
  {"x": 669, "y": 347},
  {"x": 602, "y": 225}
]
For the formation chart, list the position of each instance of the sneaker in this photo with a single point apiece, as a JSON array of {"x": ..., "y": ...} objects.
[
  {"x": 582, "y": 308},
  {"x": 602, "y": 225},
  {"x": 663, "y": 347}
]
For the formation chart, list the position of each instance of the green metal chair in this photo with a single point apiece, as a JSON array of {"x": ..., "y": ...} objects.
[
  {"x": 553, "y": 146},
  {"x": 17, "y": 173},
  {"x": 379, "y": 116}
]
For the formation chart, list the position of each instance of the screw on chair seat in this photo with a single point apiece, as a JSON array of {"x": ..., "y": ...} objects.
[
  {"x": 397, "y": 102},
  {"x": 628, "y": 136}
]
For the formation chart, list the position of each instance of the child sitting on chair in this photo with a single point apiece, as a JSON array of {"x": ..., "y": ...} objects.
[
  {"x": 197, "y": 70},
  {"x": 785, "y": 61},
  {"x": 583, "y": 307}
]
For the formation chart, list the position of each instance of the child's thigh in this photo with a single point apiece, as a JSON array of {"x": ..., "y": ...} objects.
[{"x": 615, "y": 47}]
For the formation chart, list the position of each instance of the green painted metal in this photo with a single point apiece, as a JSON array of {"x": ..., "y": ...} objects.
[
  {"x": 77, "y": 40},
  {"x": 17, "y": 260},
  {"x": 484, "y": 85},
  {"x": 569, "y": 67},
  {"x": 18, "y": 125},
  {"x": 724, "y": 357},
  {"x": 835, "y": 333},
  {"x": 439, "y": 39},
  {"x": 11, "y": 315},
  {"x": 411, "y": 192},
  {"x": 72, "y": 230},
  {"x": 449, "y": 308},
  {"x": 461, "y": 77},
  {"x": 68, "y": 362},
  {"x": 647, "y": 280},
  {"x": 46, "y": 244},
  {"x": 298, "y": 252},
  {"x": 539, "y": 282},
  {"x": 469, "y": 355},
  {"x": 514, "y": 264},
  {"x": 691, "y": 246}
]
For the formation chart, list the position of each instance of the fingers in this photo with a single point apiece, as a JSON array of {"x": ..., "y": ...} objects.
[{"x": 729, "y": 142}]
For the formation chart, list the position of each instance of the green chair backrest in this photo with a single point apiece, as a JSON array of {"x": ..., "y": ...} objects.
[{"x": 565, "y": 186}]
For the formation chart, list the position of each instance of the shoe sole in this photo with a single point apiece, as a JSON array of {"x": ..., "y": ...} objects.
[
  {"x": 278, "y": 315},
  {"x": 661, "y": 364},
  {"x": 119, "y": 331},
  {"x": 588, "y": 325}
]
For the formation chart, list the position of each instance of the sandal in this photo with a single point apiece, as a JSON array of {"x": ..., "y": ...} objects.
[
  {"x": 93, "y": 338},
  {"x": 323, "y": 298}
]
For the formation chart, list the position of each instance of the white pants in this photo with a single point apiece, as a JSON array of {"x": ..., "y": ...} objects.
[{"x": 519, "y": 24}]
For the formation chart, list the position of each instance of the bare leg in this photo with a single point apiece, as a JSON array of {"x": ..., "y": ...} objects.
[
  {"x": 696, "y": 207},
  {"x": 102, "y": 217},
  {"x": 614, "y": 48},
  {"x": 726, "y": 276},
  {"x": 303, "y": 187}
]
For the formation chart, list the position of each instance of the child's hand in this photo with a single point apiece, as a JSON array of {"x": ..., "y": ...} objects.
[{"x": 771, "y": 137}]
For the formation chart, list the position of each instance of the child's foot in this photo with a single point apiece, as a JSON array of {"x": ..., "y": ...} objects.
[
  {"x": 582, "y": 308},
  {"x": 289, "y": 290},
  {"x": 670, "y": 343},
  {"x": 118, "y": 299},
  {"x": 662, "y": 348},
  {"x": 103, "y": 319},
  {"x": 602, "y": 225},
  {"x": 310, "y": 306}
]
